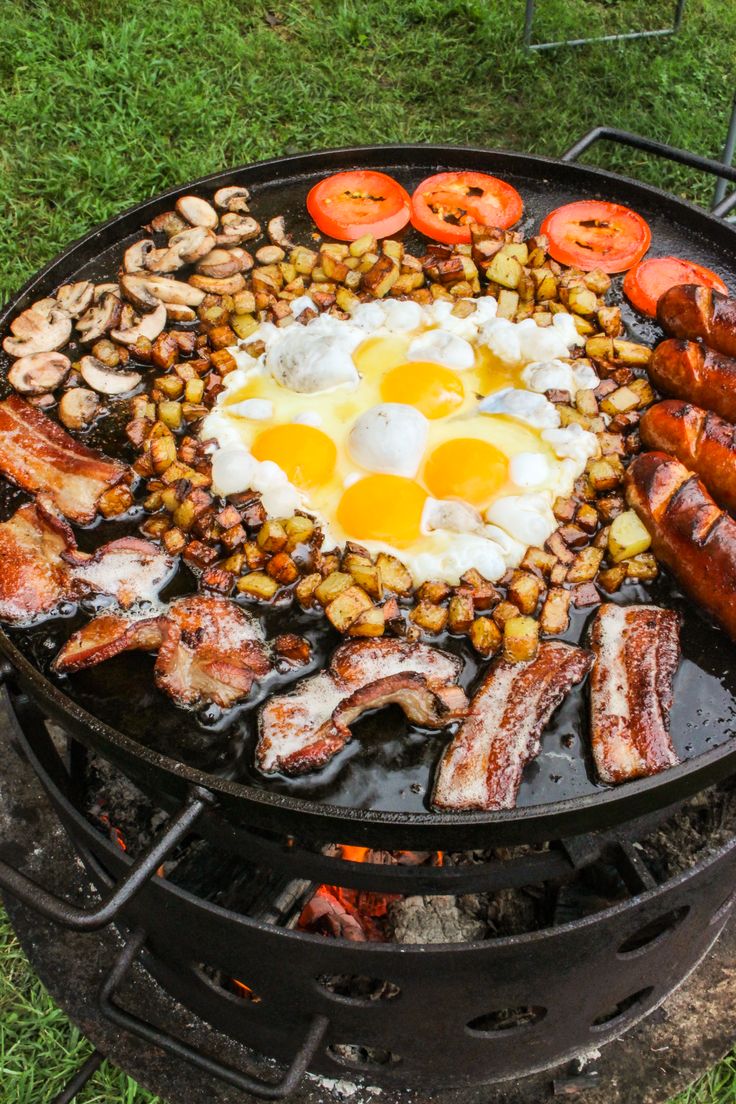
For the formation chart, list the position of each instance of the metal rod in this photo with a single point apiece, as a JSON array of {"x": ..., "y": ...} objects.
[
  {"x": 623, "y": 36},
  {"x": 728, "y": 151},
  {"x": 649, "y": 145},
  {"x": 84, "y": 1074}
]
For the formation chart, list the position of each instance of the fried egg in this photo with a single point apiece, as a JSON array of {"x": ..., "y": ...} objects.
[{"x": 422, "y": 431}]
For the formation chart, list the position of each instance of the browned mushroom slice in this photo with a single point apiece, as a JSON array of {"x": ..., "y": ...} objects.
[
  {"x": 177, "y": 313},
  {"x": 146, "y": 292},
  {"x": 229, "y": 286},
  {"x": 105, "y": 380},
  {"x": 75, "y": 298},
  {"x": 168, "y": 222},
  {"x": 212, "y": 652},
  {"x": 40, "y": 329},
  {"x": 221, "y": 263},
  {"x": 108, "y": 636},
  {"x": 236, "y": 228},
  {"x": 197, "y": 211},
  {"x": 303, "y": 729},
  {"x": 33, "y": 579},
  {"x": 39, "y": 372},
  {"x": 129, "y": 569},
  {"x": 38, "y": 455},
  {"x": 78, "y": 407},
  {"x": 270, "y": 254},
  {"x": 101, "y": 317},
  {"x": 136, "y": 255},
  {"x": 184, "y": 248},
  {"x": 148, "y": 325},
  {"x": 276, "y": 230},
  {"x": 234, "y": 198}
]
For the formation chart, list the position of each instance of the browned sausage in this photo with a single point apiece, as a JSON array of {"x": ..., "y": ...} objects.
[
  {"x": 702, "y": 441},
  {"x": 690, "y": 534},
  {"x": 699, "y": 313},
  {"x": 687, "y": 370}
]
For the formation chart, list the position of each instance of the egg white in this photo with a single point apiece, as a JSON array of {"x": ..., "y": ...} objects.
[{"x": 328, "y": 373}]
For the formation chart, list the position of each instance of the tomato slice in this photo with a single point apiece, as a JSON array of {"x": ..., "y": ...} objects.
[
  {"x": 443, "y": 206},
  {"x": 644, "y": 283},
  {"x": 595, "y": 234},
  {"x": 348, "y": 205}
]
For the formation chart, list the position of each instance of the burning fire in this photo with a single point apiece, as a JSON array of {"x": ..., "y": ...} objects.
[
  {"x": 245, "y": 991},
  {"x": 114, "y": 833}
]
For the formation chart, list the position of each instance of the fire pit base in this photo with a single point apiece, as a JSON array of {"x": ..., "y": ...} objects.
[{"x": 694, "y": 1028}]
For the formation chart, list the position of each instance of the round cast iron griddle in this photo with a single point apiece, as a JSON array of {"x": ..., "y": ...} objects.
[{"x": 376, "y": 791}]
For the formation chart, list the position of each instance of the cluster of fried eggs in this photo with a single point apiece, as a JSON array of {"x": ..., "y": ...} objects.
[{"x": 408, "y": 429}]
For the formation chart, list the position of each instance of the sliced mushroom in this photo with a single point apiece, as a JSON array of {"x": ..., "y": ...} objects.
[
  {"x": 276, "y": 230},
  {"x": 184, "y": 248},
  {"x": 100, "y": 318},
  {"x": 75, "y": 298},
  {"x": 161, "y": 260},
  {"x": 148, "y": 325},
  {"x": 228, "y": 286},
  {"x": 40, "y": 329},
  {"x": 270, "y": 254},
  {"x": 233, "y": 198},
  {"x": 168, "y": 222},
  {"x": 176, "y": 312},
  {"x": 39, "y": 372},
  {"x": 221, "y": 263},
  {"x": 78, "y": 407},
  {"x": 106, "y": 380},
  {"x": 236, "y": 228},
  {"x": 101, "y": 290},
  {"x": 197, "y": 211},
  {"x": 146, "y": 291},
  {"x": 135, "y": 257}
]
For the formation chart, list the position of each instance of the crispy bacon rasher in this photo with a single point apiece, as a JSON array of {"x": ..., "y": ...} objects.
[
  {"x": 39, "y": 455},
  {"x": 637, "y": 652},
  {"x": 482, "y": 767},
  {"x": 209, "y": 649},
  {"x": 303, "y": 729}
]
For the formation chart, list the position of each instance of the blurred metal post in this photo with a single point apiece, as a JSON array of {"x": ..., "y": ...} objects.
[
  {"x": 529, "y": 21},
  {"x": 728, "y": 151}
]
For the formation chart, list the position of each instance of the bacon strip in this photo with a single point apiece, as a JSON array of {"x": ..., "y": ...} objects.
[
  {"x": 33, "y": 576},
  {"x": 482, "y": 767},
  {"x": 302, "y": 730},
  {"x": 637, "y": 652},
  {"x": 129, "y": 570},
  {"x": 209, "y": 650},
  {"x": 39, "y": 455}
]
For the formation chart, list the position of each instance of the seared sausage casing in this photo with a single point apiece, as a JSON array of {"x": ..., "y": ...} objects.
[
  {"x": 686, "y": 370},
  {"x": 702, "y": 441},
  {"x": 699, "y": 313},
  {"x": 690, "y": 534}
]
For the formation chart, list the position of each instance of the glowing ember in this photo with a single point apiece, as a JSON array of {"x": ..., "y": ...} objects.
[{"x": 245, "y": 991}]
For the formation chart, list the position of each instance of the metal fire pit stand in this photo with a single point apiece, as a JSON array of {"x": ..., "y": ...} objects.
[{"x": 660, "y": 32}]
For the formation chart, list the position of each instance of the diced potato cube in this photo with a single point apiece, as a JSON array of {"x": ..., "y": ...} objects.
[
  {"x": 612, "y": 578},
  {"x": 381, "y": 276},
  {"x": 603, "y": 475},
  {"x": 485, "y": 636},
  {"x": 368, "y": 576},
  {"x": 537, "y": 560},
  {"x": 257, "y": 585},
  {"x": 255, "y": 557},
  {"x": 587, "y": 518},
  {"x": 643, "y": 567},
  {"x": 366, "y": 244},
  {"x": 555, "y": 617},
  {"x": 581, "y": 300},
  {"x": 115, "y": 501},
  {"x": 394, "y": 574},
  {"x": 305, "y": 589},
  {"x": 370, "y": 623},
  {"x": 519, "y": 250},
  {"x": 524, "y": 590},
  {"x": 174, "y": 541},
  {"x": 429, "y": 617},
  {"x": 347, "y": 607},
  {"x": 271, "y": 536},
  {"x": 282, "y": 568},
  {"x": 504, "y": 270},
  {"x": 520, "y": 639},
  {"x": 620, "y": 401},
  {"x": 460, "y": 613},
  {"x": 508, "y": 302},
  {"x": 331, "y": 586},
  {"x": 504, "y": 611},
  {"x": 194, "y": 390},
  {"x": 170, "y": 414},
  {"x": 586, "y": 402},
  {"x": 163, "y": 453},
  {"x": 644, "y": 390},
  {"x": 299, "y": 530},
  {"x": 484, "y": 593},
  {"x": 597, "y": 280},
  {"x": 585, "y": 565},
  {"x": 434, "y": 590},
  {"x": 628, "y": 537}
]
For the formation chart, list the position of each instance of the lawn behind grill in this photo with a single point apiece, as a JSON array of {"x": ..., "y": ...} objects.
[{"x": 106, "y": 102}]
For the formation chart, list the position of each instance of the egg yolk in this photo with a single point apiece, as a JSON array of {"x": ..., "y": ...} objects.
[
  {"x": 306, "y": 455},
  {"x": 431, "y": 388},
  {"x": 383, "y": 508},
  {"x": 466, "y": 468}
]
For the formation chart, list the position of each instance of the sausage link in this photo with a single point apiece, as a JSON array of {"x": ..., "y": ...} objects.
[
  {"x": 699, "y": 313},
  {"x": 686, "y": 370},
  {"x": 690, "y": 534},
  {"x": 703, "y": 442}
]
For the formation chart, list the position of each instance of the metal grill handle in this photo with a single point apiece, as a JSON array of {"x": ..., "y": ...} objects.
[
  {"x": 660, "y": 149},
  {"x": 266, "y": 1090},
  {"x": 54, "y": 908}
]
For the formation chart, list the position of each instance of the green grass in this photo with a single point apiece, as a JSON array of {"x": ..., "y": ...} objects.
[{"x": 105, "y": 102}]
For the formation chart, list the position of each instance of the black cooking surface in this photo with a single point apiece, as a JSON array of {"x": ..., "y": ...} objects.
[{"x": 389, "y": 765}]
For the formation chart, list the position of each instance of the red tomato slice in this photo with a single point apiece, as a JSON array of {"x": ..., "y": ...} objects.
[
  {"x": 350, "y": 204},
  {"x": 443, "y": 206},
  {"x": 595, "y": 234},
  {"x": 644, "y": 284}
]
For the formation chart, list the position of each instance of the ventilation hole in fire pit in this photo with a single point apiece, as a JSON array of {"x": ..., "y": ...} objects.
[
  {"x": 654, "y": 932},
  {"x": 628, "y": 1004},
  {"x": 723, "y": 909},
  {"x": 357, "y": 989},
  {"x": 361, "y": 1057},
  {"x": 507, "y": 1019},
  {"x": 225, "y": 985}
]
